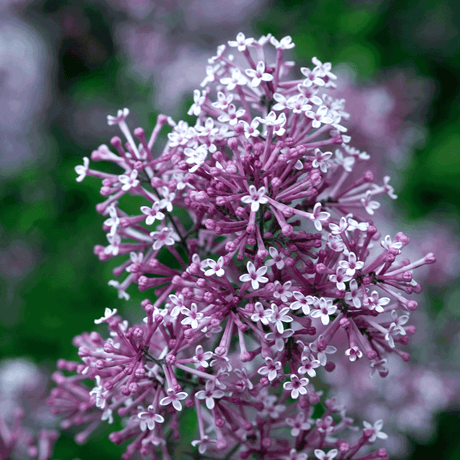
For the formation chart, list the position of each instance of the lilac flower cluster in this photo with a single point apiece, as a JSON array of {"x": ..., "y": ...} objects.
[{"x": 277, "y": 268}]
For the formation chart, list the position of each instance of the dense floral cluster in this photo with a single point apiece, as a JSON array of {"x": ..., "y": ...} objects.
[{"x": 257, "y": 244}]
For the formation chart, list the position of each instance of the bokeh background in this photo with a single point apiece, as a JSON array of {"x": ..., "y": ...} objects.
[{"x": 65, "y": 65}]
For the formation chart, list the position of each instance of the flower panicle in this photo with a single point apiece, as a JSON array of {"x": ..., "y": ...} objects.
[{"x": 280, "y": 269}]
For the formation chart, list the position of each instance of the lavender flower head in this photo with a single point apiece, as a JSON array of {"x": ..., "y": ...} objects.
[{"x": 279, "y": 271}]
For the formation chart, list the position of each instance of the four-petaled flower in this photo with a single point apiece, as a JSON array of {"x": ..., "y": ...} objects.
[
  {"x": 298, "y": 424},
  {"x": 323, "y": 310},
  {"x": 164, "y": 237},
  {"x": 201, "y": 358},
  {"x": 193, "y": 316},
  {"x": 351, "y": 265},
  {"x": 241, "y": 42},
  {"x": 129, "y": 181},
  {"x": 152, "y": 213},
  {"x": 318, "y": 217},
  {"x": 255, "y": 197},
  {"x": 296, "y": 386},
  {"x": 215, "y": 268},
  {"x": 373, "y": 302},
  {"x": 255, "y": 276},
  {"x": 278, "y": 317},
  {"x": 196, "y": 157},
  {"x": 375, "y": 431},
  {"x": 174, "y": 399},
  {"x": 271, "y": 368},
  {"x": 354, "y": 353},
  {"x": 259, "y": 74},
  {"x": 149, "y": 418},
  {"x": 210, "y": 394}
]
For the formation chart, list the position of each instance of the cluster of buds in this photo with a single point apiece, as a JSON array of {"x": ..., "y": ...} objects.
[{"x": 257, "y": 244}]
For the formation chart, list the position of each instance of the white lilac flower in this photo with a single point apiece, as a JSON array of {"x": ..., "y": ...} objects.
[
  {"x": 237, "y": 79},
  {"x": 354, "y": 294},
  {"x": 198, "y": 101},
  {"x": 296, "y": 386},
  {"x": 319, "y": 217},
  {"x": 164, "y": 237},
  {"x": 255, "y": 198},
  {"x": 271, "y": 369},
  {"x": 298, "y": 424},
  {"x": 196, "y": 157},
  {"x": 129, "y": 181},
  {"x": 308, "y": 366},
  {"x": 192, "y": 316},
  {"x": 254, "y": 276},
  {"x": 323, "y": 310},
  {"x": 82, "y": 170},
  {"x": 258, "y": 75},
  {"x": 241, "y": 42},
  {"x": 209, "y": 394},
  {"x": 320, "y": 116},
  {"x": 215, "y": 268},
  {"x": 201, "y": 358},
  {"x": 351, "y": 265},
  {"x": 276, "y": 258},
  {"x": 278, "y": 317},
  {"x": 376, "y": 430},
  {"x": 148, "y": 418},
  {"x": 353, "y": 353},
  {"x": 374, "y": 302},
  {"x": 174, "y": 399},
  {"x": 285, "y": 43},
  {"x": 108, "y": 313},
  {"x": 232, "y": 116},
  {"x": 321, "y": 455},
  {"x": 369, "y": 204},
  {"x": 152, "y": 213},
  {"x": 303, "y": 302},
  {"x": 261, "y": 314}
]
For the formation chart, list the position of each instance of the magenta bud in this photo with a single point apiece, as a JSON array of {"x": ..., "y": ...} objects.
[
  {"x": 233, "y": 143},
  {"x": 412, "y": 305}
]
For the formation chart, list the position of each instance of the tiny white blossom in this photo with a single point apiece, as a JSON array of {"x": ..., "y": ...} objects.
[
  {"x": 108, "y": 313},
  {"x": 376, "y": 430},
  {"x": 285, "y": 43},
  {"x": 369, "y": 204},
  {"x": 192, "y": 316},
  {"x": 296, "y": 386},
  {"x": 196, "y": 157},
  {"x": 215, "y": 268},
  {"x": 255, "y": 276},
  {"x": 82, "y": 170},
  {"x": 276, "y": 258},
  {"x": 149, "y": 418},
  {"x": 210, "y": 394},
  {"x": 255, "y": 197},
  {"x": 174, "y": 398},
  {"x": 259, "y": 74},
  {"x": 241, "y": 42},
  {"x": 318, "y": 217},
  {"x": 121, "y": 116},
  {"x": 164, "y": 237},
  {"x": 152, "y": 213},
  {"x": 129, "y": 181},
  {"x": 324, "y": 310}
]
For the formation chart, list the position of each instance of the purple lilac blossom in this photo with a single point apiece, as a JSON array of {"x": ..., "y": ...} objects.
[{"x": 279, "y": 260}]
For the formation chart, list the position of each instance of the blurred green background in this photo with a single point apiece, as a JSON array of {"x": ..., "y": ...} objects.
[{"x": 91, "y": 58}]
